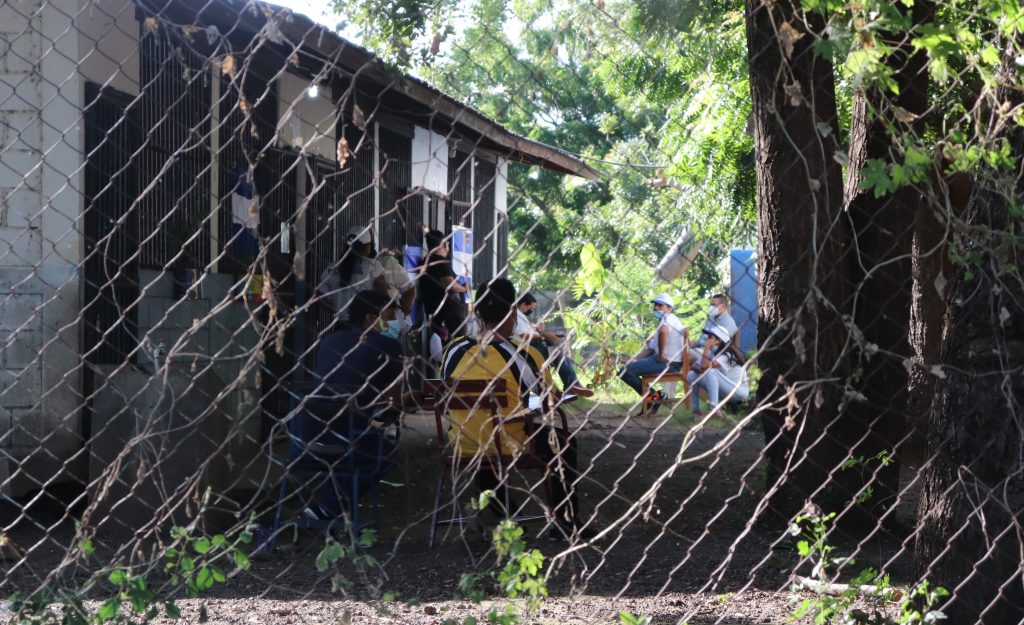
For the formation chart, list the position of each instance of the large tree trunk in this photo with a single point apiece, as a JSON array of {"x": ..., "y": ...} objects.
[
  {"x": 802, "y": 237},
  {"x": 973, "y": 501},
  {"x": 881, "y": 269},
  {"x": 932, "y": 271}
]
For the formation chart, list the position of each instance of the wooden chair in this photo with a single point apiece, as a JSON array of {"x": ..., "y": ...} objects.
[
  {"x": 478, "y": 395},
  {"x": 669, "y": 380}
]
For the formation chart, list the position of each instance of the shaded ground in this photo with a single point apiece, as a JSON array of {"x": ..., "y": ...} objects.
[{"x": 678, "y": 543}]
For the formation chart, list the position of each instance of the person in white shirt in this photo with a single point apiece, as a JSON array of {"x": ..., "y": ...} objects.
[
  {"x": 537, "y": 336},
  {"x": 720, "y": 371},
  {"x": 664, "y": 350},
  {"x": 356, "y": 270},
  {"x": 718, "y": 315}
]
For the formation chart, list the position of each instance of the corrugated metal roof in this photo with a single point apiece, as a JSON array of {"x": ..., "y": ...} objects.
[{"x": 284, "y": 26}]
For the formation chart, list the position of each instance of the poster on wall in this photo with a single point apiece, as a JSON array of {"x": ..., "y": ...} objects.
[{"x": 462, "y": 255}]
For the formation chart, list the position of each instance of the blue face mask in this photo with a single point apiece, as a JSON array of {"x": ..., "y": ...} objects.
[
  {"x": 658, "y": 314},
  {"x": 393, "y": 329}
]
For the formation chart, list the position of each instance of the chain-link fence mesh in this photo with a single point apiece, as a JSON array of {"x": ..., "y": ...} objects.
[{"x": 643, "y": 313}]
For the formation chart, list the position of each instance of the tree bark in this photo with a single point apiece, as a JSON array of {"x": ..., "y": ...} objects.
[
  {"x": 933, "y": 274},
  {"x": 801, "y": 242},
  {"x": 881, "y": 268},
  {"x": 973, "y": 499}
]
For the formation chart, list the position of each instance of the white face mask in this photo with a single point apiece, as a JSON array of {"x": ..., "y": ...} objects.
[{"x": 713, "y": 312}]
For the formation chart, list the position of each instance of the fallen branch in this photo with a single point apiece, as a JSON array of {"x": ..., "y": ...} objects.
[{"x": 889, "y": 593}]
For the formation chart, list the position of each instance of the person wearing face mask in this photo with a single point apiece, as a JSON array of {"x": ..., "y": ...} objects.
[
  {"x": 537, "y": 336},
  {"x": 664, "y": 350},
  {"x": 366, "y": 360},
  {"x": 719, "y": 370},
  {"x": 718, "y": 315}
]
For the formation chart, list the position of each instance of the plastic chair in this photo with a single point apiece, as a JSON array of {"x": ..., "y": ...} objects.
[{"x": 352, "y": 458}]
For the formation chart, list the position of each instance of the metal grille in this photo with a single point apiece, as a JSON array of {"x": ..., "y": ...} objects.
[
  {"x": 174, "y": 196},
  {"x": 110, "y": 314},
  {"x": 397, "y": 226}
]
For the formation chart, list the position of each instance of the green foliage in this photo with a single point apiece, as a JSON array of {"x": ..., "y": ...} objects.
[
  {"x": 628, "y": 618},
  {"x": 865, "y": 598},
  {"x": 353, "y": 569},
  {"x": 518, "y": 571},
  {"x": 522, "y": 570},
  {"x": 866, "y": 465},
  {"x": 193, "y": 565}
]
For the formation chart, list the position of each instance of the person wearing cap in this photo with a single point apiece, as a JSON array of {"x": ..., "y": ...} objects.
[
  {"x": 664, "y": 350},
  {"x": 719, "y": 371},
  {"x": 718, "y": 315},
  {"x": 354, "y": 271}
]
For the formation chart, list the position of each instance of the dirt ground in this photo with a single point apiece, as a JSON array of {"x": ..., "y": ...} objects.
[{"x": 678, "y": 545}]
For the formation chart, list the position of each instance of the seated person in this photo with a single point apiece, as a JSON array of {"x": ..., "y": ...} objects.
[
  {"x": 365, "y": 361},
  {"x": 356, "y": 270},
  {"x": 491, "y": 357},
  {"x": 718, "y": 315},
  {"x": 663, "y": 352},
  {"x": 720, "y": 371},
  {"x": 526, "y": 333},
  {"x": 439, "y": 288}
]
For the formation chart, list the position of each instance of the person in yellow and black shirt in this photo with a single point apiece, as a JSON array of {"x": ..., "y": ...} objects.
[{"x": 493, "y": 357}]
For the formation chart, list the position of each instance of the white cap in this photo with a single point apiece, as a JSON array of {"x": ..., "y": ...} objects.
[
  {"x": 719, "y": 333},
  {"x": 359, "y": 234},
  {"x": 663, "y": 298}
]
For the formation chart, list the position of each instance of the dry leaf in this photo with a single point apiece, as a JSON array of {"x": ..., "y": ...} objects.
[
  {"x": 789, "y": 37},
  {"x": 294, "y": 59},
  {"x": 243, "y": 103},
  {"x": 227, "y": 66},
  {"x": 795, "y": 93},
  {"x": 903, "y": 115},
  {"x": 150, "y": 24},
  {"x": 358, "y": 118},
  {"x": 273, "y": 32},
  {"x": 435, "y": 44},
  {"x": 343, "y": 152},
  {"x": 600, "y": 5}
]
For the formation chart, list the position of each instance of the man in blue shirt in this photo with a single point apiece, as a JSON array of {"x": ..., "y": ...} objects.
[
  {"x": 363, "y": 364},
  {"x": 366, "y": 360}
]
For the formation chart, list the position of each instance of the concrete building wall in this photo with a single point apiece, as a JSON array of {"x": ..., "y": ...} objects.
[
  {"x": 108, "y": 44},
  {"x": 40, "y": 242}
]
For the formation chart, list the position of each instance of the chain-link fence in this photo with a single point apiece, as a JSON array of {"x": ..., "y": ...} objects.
[{"x": 292, "y": 335}]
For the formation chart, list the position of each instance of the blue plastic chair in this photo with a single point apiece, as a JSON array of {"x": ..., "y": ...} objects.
[{"x": 333, "y": 444}]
